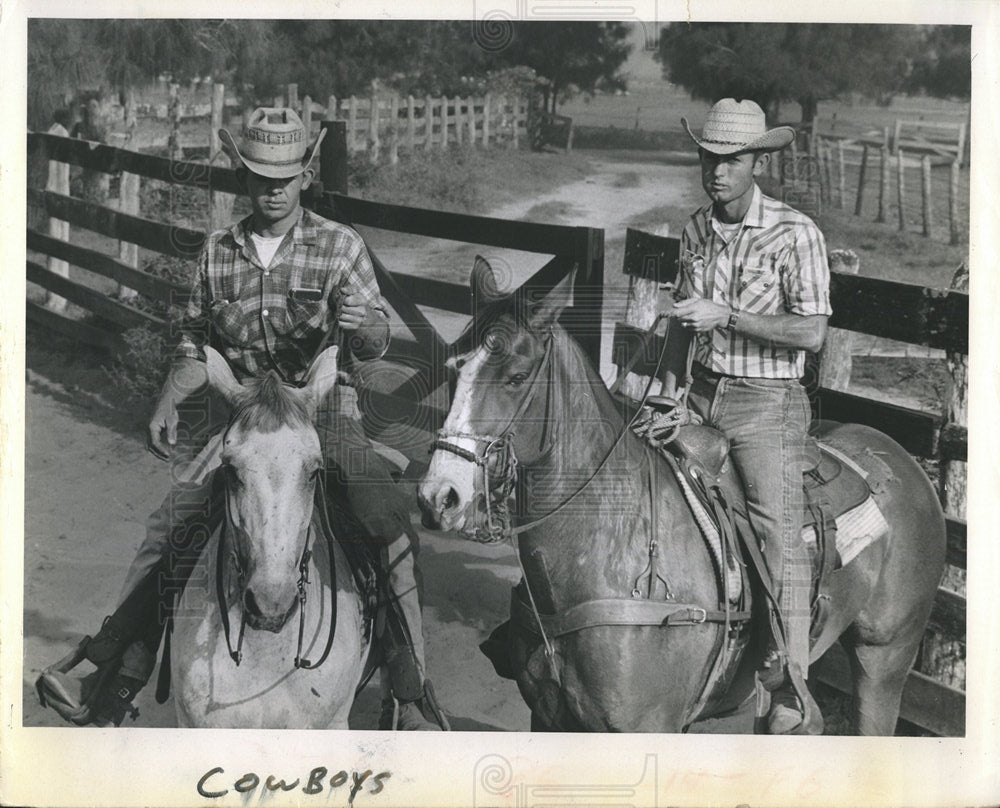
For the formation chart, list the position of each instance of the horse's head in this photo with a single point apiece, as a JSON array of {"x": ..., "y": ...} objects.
[
  {"x": 499, "y": 411},
  {"x": 271, "y": 459}
]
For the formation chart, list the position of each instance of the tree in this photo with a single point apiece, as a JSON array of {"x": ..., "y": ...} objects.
[
  {"x": 775, "y": 62},
  {"x": 944, "y": 67},
  {"x": 572, "y": 56}
]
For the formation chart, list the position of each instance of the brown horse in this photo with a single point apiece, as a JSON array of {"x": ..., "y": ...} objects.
[{"x": 532, "y": 424}]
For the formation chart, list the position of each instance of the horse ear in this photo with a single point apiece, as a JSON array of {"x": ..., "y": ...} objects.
[
  {"x": 321, "y": 378},
  {"x": 220, "y": 375},
  {"x": 483, "y": 282},
  {"x": 542, "y": 313}
]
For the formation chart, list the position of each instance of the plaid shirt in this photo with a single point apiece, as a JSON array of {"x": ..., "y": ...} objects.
[
  {"x": 775, "y": 264},
  {"x": 274, "y": 317}
]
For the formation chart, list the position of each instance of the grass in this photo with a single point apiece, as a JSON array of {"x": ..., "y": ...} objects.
[{"x": 885, "y": 252}]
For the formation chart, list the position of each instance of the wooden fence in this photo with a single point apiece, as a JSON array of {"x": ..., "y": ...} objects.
[
  {"x": 380, "y": 124},
  {"x": 921, "y": 316},
  {"x": 416, "y": 402},
  {"x": 914, "y": 168}
]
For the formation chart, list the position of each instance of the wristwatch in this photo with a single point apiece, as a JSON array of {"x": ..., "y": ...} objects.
[{"x": 734, "y": 316}]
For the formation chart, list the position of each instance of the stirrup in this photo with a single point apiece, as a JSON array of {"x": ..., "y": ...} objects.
[{"x": 77, "y": 708}]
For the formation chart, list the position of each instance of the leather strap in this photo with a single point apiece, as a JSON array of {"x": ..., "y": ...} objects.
[{"x": 617, "y": 612}]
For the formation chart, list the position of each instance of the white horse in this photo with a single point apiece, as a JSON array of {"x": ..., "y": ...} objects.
[{"x": 256, "y": 612}]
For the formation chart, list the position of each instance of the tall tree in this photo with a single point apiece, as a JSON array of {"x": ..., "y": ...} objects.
[
  {"x": 775, "y": 62},
  {"x": 572, "y": 56},
  {"x": 944, "y": 66}
]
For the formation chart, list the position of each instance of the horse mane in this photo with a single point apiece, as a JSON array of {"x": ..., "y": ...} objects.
[{"x": 268, "y": 404}]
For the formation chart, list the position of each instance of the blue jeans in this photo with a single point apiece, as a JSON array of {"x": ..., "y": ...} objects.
[{"x": 766, "y": 421}]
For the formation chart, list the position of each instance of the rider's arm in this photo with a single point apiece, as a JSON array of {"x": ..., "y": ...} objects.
[
  {"x": 188, "y": 371},
  {"x": 361, "y": 309},
  {"x": 805, "y": 284}
]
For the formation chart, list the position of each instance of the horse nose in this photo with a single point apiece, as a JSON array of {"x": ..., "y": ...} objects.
[
  {"x": 267, "y": 610},
  {"x": 440, "y": 504}
]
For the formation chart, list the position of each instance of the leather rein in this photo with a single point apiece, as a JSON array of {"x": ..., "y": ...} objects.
[{"x": 236, "y": 654}]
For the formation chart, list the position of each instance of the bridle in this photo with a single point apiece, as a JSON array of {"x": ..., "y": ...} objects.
[
  {"x": 236, "y": 654},
  {"x": 499, "y": 463},
  {"x": 496, "y": 459}
]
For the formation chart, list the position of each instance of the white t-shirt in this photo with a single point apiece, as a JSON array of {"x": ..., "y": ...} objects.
[{"x": 266, "y": 247}]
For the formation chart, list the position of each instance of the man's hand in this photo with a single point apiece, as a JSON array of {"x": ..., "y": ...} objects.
[
  {"x": 186, "y": 376},
  {"x": 700, "y": 314},
  {"x": 353, "y": 311}
]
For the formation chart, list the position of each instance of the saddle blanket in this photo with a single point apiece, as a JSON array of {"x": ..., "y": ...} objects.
[{"x": 856, "y": 529}]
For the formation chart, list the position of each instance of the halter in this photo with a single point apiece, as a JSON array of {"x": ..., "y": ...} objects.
[
  {"x": 236, "y": 654},
  {"x": 497, "y": 459}
]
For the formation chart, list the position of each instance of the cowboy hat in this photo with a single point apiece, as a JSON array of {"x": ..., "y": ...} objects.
[
  {"x": 737, "y": 126},
  {"x": 273, "y": 143}
]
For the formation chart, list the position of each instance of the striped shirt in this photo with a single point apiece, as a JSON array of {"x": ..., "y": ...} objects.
[
  {"x": 274, "y": 317},
  {"x": 774, "y": 263}
]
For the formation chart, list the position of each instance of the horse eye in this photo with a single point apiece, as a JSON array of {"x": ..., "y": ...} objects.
[{"x": 517, "y": 379}]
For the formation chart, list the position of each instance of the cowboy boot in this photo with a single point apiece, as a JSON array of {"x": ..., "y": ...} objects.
[
  {"x": 408, "y": 701},
  {"x": 793, "y": 710},
  {"x": 124, "y": 655}
]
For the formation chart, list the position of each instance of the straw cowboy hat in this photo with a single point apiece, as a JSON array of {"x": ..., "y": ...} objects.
[
  {"x": 736, "y": 126},
  {"x": 274, "y": 143}
]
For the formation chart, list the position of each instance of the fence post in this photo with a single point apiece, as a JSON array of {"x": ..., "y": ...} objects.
[
  {"x": 954, "y": 233},
  {"x": 58, "y": 182},
  {"x": 293, "y": 96},
  {"x": 942, "y": 656},
  {"x": 428, "y": 123},
  {"x": 795, "y": 162},
  {"x": 925, "y": 171},
  {"x": 394, "y": 130},
  {"x": 836, "y": 356},
  {"x": 588, "y": 291},
  {"x": 332, "y": 113},
  {"x": 641, "y": 308},
  {"x": 487, "y": 105},
  {"x": 174, "y": 114},
  {"x": 861, "y": 181},
  {"x": 373, "y": 141},
  {"x": 130, "y": 121},
  {"x": 883, "y": 185},
  {"x": 444, "y": 123},
  {"x": 411, "y": 123},
  {"x": 128, "y": 202},
  {"x": 459, "y": 128},
  {"x": 352, "y": 122},
  {"x": 307, "y": 115},
  {"x": 901, "y": 190},
  {"x": 472, "y": 120},
  {"x": 841, "y": 176},
  {"x": 827, "y": 170},
  {"x": 517, "y": 118},
  {"x": 333, "y": 157},
  {"x": 220, "y": 211}
]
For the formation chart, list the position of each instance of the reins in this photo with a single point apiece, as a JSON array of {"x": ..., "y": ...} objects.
[
  {"x": 236, "y": 654},
  {"x": 506, "y": 436}
]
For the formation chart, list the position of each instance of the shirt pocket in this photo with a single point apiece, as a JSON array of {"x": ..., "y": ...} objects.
[
  {"x": 303, "y": 319},
  {"x": 759, "y": 286},
  {"x": 230, "y": 321}
]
